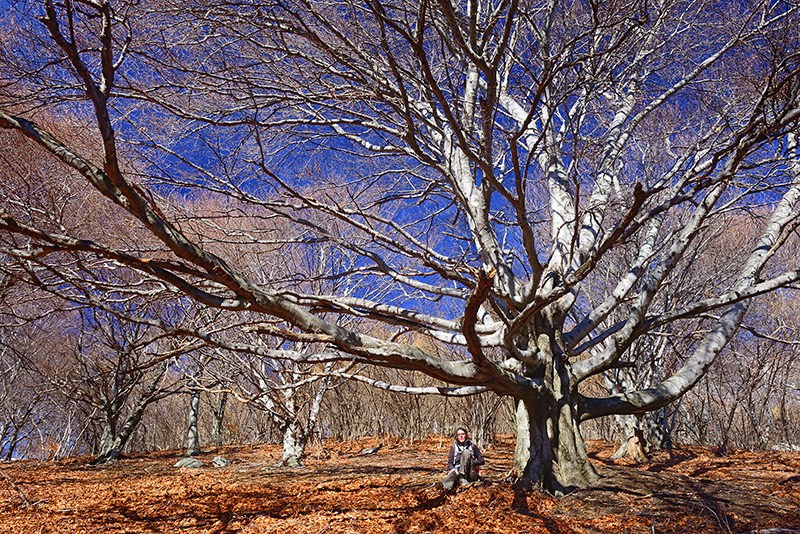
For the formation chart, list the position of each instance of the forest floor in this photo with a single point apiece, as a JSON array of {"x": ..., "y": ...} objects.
[{"x": 395, "y": 490}]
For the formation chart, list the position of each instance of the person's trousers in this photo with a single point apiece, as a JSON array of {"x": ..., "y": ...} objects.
[{"x": 465, "y": 469}]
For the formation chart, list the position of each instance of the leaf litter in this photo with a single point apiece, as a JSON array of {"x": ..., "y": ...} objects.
[{"x": 396, "y": 490}]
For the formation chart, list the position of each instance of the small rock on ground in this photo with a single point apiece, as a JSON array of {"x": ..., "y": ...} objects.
[
  {"x": 191, "y": 463},
  {"x": 220, "y": 461}
]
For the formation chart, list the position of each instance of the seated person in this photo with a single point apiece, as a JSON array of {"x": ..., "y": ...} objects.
[{"x": 463, "y": 462}]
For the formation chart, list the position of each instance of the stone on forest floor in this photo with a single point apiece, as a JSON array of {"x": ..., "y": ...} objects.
[
  {"x": 220, "y": 461},
  {"x": 188, "y": 461}
]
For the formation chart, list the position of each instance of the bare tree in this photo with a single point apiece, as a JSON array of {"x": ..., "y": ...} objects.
[
  {"x": 115, "y": 372},
  {"x": 272, "y": 375},
  {"x": 746, "y": 401},
  {"x": 496, "y": 157},
  {"x": 37, "y": 419},
  {"x": 20, "y": 400},
  {"x": 218, "y": 406}
]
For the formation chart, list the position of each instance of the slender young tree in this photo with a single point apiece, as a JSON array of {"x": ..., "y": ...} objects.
[
  {"x": 192, "y": 432},
  {"x": 496, "y": 156},
  {"x": 291, "y": 393}
]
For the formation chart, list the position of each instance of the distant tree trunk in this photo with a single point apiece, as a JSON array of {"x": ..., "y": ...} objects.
[
  {"x": 110, "y": 421},
  {"x": 12, "y": 444},
  {"x": 634, "y": 444},
  {"x": 660, "y": 429},
  {"x": 192, "y": 435},
  {"x": 4, "y": 427},
  {"x": 112, "y": 445},
  {"x": 295, "y": 437},
  {"x": 219, "y": 418},
  {"x": 106, "y": 439},
  {"x": 293, "y": 445}
]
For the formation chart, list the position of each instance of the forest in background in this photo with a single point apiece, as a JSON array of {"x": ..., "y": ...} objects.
[{"x": 63, "y": 386}]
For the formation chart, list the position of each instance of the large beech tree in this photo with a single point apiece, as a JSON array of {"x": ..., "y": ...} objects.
[{"x": 492, "y": 160}]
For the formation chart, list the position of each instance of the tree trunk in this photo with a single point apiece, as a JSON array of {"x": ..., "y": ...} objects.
[
  {"x": 660, "y": 429},
  {"x": 192, "y": 434},
  {"x": 550, "y": 453},
  {"x": 114, "y": 447},
  {"x": 294, "y": 445},
  {"x": 633, "y": 449},
  {"x": 106, "y": 440},
  {"x": 219, "y": 417},
  {"x": 634, "y": 444},
  {"x": 12, "y": 444},
  {"x": 3, "y": 430},
  {"x": 295, "y": 437}
]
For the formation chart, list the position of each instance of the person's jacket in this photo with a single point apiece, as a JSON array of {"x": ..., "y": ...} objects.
[{"x": 454, "y": 457}]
